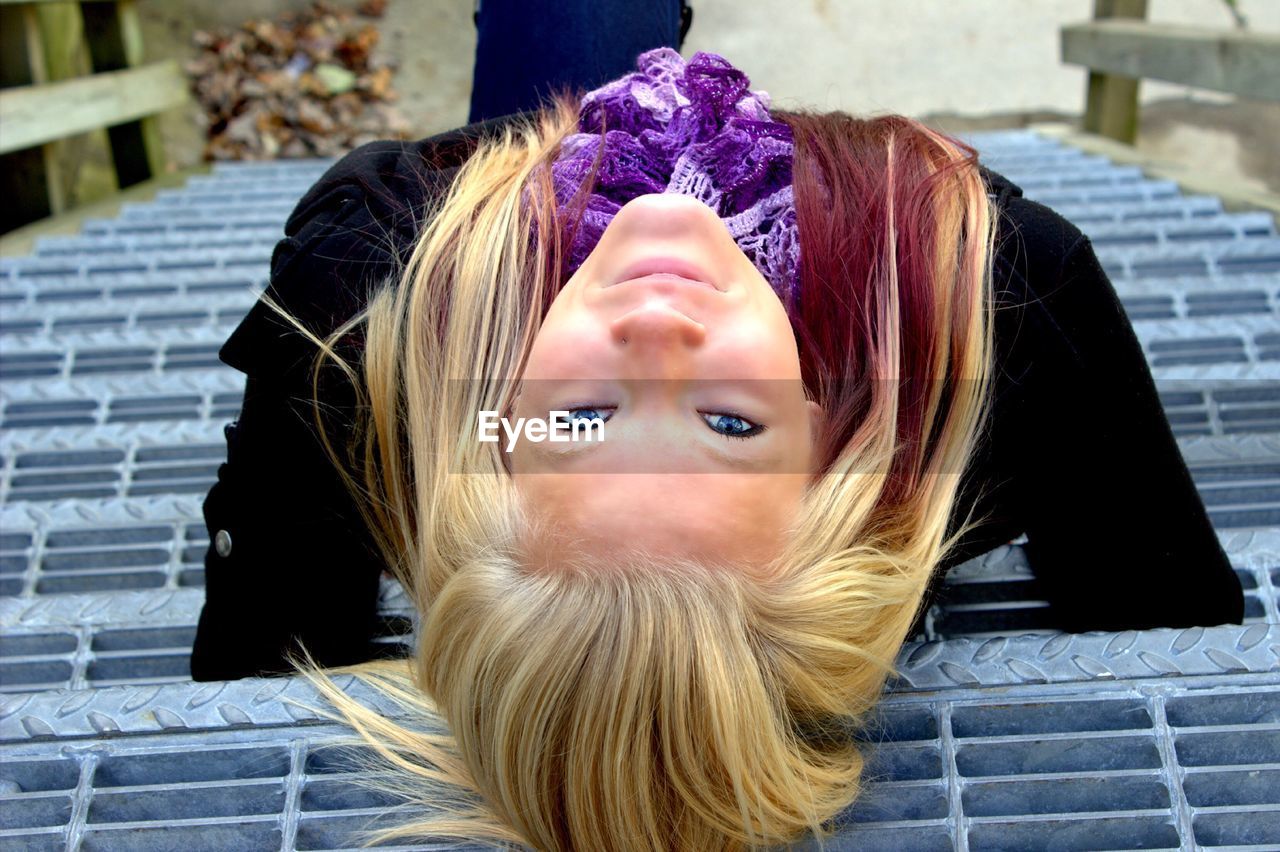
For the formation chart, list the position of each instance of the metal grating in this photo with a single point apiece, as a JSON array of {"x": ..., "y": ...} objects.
[
  {"x": 999, "y": 733},
  {"x": 1161, "y": 764}
]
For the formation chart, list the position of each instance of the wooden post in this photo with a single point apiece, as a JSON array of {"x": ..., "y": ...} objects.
[
  {"x": 113, "y": 32},
  {"x": 39, "y": 67},
  {"x": 1111, "y": 103},
  {"x": 24, "y": 182}
]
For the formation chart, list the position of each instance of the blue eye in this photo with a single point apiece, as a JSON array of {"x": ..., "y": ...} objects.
[
  {"x": 587, "y": 413},
  {"x": 732, "y": 426}
]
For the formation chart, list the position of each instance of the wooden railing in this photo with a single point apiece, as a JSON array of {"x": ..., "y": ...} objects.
[
  {"x": 1120, "y": 48},
  {"x": 121, "y": 94}
]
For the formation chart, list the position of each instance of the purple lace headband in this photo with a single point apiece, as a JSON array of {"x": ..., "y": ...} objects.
[{"x": 695, "y": 129}]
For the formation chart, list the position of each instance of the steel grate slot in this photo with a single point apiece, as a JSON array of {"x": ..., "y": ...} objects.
[
  {"x": 1148, "y": 239},
  {"x": 34, "y": 674},
  {"x": 37, "y": 811},
  {"x": 76, "y": 295},
  {"x": 229, "y": 316},
  {"x": 896, "y": 837},
  {"x": 183, "y": 265},
  {"x": 904, "y": 763},
  {"x": 335, "y": 831},
  {"x": 132, "y": 292},
  {"x": 130, "y": 359},
  {"x": 39, "y": 776},
  {"x": 1259, "y": 828},
  {"x": 1054, "y": 754},
  {"x": 231, "y": 763},
  {"x": 115, "y": 268},
  {"x": 1067, "y": 716},
  {"x": 1154, "y": 831},
  {"x": 1246, "y": 708},
  {"x": 338, "y": 794},
  {"x": 108, "y": 535},
  {"x": 1205, "y": 350},
  {"x": 134, "y": 409},
  {"x": 221, "y": 286},
  {"x": 108, "y": 669},
  {"x": 1194, "y": 267},
  {"x": 1248, "y": 265},
  {"x": 54, "y": 584},
  {"x": 1227, "y": 302},
  {"x": 1201, "y": 233},
  {"x": 1268, "y": 346},
  {"x": 148, "y": 638},
  {"x": 36, "y": 794},
  {"x": 35, "y": 270},
  {"x": 90, "y": 322},
  {"x": 1025, "y": 797},
  {"x": 200, "y": 354},
  {"x": 194, "y": 801},
  {"x": 30, "y": 365},
  {"x": 173, "y": 318},
  {"x": 14, "y": 541},
  {"x": 147, "y": 455},
  {"x": 88, "y": 559},
  {"x": 49, "y": 476},
  {"x": 1148, "y": 307},
  {"x": 21, "y": 326},
  {"x": 1228, "y": 748},
  {"x": 1226, "y": 788},
  {"x": 1240, "y": 495},
  {"x": 193, "y": 837},
  {"x": 904, "y": 802},
  {"x": 38, "y": 645},
  {"x": 903, "y": 724},
  {"x": 63, "y": 412}
]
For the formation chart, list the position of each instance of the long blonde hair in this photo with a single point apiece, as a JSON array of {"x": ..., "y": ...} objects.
[{"x": 644, "y": 704}]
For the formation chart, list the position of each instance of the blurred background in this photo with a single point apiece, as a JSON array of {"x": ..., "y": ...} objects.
[{"x": 292, "y": 78}]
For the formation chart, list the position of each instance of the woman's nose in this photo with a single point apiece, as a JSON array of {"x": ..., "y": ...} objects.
[{"x": 656, "y": 325}]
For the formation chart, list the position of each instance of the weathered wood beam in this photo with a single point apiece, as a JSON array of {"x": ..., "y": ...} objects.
[
  {"x": 1243, "y": 63},
  {"x": 34, "y": 115}
]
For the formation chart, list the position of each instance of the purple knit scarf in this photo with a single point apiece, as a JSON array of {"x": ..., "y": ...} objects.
[{"x": 693, "y": 128}]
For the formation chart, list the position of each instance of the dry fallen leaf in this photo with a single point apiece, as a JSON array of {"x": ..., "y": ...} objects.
[{"x": 303, "y": 84}]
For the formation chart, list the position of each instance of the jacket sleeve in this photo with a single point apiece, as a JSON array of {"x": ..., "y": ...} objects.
[
  {"x": 290, "y": 561},
  {"x": 1118, "y": 535}
]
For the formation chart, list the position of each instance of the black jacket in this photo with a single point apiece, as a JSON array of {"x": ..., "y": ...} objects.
[{"x": 1079, "y": 454}]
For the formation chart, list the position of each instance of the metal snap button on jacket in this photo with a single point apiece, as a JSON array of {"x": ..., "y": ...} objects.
[{"x": 222, "y": 543}]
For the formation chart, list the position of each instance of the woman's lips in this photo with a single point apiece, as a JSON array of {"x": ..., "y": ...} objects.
[{"x": 670, "y": 268}]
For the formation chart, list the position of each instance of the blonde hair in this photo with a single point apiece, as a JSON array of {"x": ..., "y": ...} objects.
[{"x": 646, "y": 703}]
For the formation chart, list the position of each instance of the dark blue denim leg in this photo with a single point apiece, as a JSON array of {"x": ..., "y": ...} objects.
[{"x": 525, "y": 50}]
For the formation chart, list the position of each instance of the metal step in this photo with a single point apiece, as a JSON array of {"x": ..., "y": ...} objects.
[{"x": 997, "y": 733}]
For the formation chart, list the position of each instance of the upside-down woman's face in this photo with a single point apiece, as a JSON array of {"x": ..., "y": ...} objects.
[{"x": 707, "y": 436}]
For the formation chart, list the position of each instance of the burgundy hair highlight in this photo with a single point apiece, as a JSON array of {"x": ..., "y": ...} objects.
[{"x": 867, "y": 194}]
